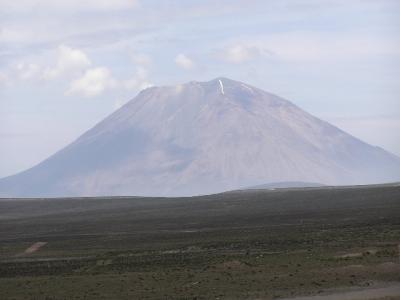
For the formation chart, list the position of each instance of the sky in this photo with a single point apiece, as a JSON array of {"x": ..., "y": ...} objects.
[{"x": 67, "y": 64}]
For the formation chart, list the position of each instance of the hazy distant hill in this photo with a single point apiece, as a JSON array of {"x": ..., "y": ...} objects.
[
  {"x": 203, "y": 137},
  {"x": 286, "y": 184}
]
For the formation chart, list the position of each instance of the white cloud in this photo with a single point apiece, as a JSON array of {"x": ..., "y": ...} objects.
[
  {"x": 184, "y": 62},
  {"x": 94, "y": 82},
  {"x": 65, "y": 5},
  {"x": 139, "y": 81},
  {"x": 309, "y": 46},
  {"x": 69, "y": 60},
  {"x": 4, "y": 79},
  {"x": 240, "y": 53},
  {"x": 27, "y": 71},
  {"x": 87, "y": 80}
]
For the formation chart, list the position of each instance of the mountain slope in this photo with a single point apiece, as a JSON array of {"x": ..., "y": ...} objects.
[{"x": 203, "y": 137}]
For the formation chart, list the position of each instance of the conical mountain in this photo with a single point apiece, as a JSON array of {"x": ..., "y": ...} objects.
[{"x": 200, "y": 138}]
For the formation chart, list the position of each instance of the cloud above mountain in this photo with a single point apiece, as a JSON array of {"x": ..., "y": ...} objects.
[
  {"x": 184, "y": 62},
  {"x": 66, "y": 5},
  {"x": 240, "y": 52},
  {"x": 69, "y": 60},
  {"x": 93, "y": 82},
  {"x": 84, "y": 78}
]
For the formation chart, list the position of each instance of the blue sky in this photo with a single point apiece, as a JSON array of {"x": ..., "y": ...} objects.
[{"x": 65, "y": 65}]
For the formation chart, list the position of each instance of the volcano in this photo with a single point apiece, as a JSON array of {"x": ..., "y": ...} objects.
[{"x": 202, "y": 138}]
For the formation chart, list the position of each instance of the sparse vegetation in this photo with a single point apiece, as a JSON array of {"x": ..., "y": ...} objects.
[{"x": 239, "y": 245}]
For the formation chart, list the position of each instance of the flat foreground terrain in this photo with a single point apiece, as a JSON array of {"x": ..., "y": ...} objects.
[{"x": 329, "y": 243}]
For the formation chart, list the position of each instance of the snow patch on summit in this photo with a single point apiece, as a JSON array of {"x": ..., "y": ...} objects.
[{"x": 222, "y": 86}]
